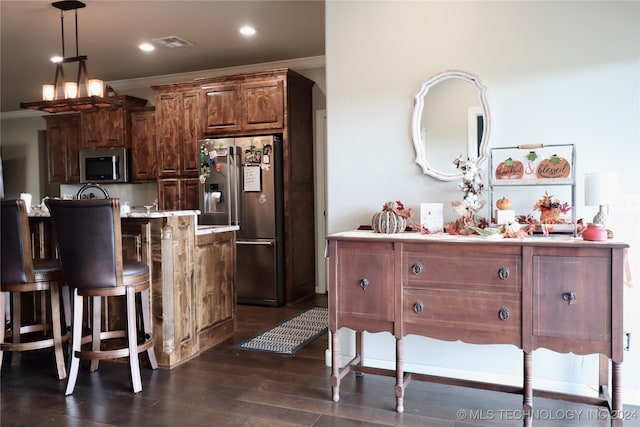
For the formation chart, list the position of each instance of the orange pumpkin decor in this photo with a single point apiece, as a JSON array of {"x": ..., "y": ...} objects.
[
  {"x": 510, "y": 169},
  {"x": 503, "y": 204},
  {"x": 553, "y": 167}
]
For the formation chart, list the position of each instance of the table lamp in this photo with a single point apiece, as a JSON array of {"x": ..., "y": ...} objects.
[{"x": 601, "y": 189}]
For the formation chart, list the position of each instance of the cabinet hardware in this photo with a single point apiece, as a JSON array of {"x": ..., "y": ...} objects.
[
  {"x": 570, "y": 297},
  {"x": 418, "y": 306},
  {"x": 416, "y": 268},
  {"x": 503, "y": 273},
  {"x": 504, "y": 313},
  {"x": 364, "y": 283}
]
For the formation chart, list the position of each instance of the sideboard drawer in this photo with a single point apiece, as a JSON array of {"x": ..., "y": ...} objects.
[
  {"x": 462, "y": 269},
  {"x": 475, "y": 317}
]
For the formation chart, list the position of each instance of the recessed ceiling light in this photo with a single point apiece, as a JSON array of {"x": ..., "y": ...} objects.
[
  {"x": 247, "y": 30},
  {"x": 146, "y": 47}
]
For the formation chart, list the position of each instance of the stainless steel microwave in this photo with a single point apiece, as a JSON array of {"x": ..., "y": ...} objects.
[{"x": 104, "y": 165}]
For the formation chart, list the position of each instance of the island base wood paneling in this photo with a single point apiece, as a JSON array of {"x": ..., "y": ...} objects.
[
  {"x": 563, "y": 294},
  {"x": 193, "y": 301}
]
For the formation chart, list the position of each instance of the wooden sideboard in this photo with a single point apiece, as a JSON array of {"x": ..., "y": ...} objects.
[{"x": 562, "y": 294}]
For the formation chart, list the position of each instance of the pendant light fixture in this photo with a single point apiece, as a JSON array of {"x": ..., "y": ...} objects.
[{"x": 82, "y": 93}]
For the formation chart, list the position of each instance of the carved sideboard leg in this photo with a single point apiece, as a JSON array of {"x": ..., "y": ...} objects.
[
  {"x": 359, "y": 352},
  {"x": 616, "y": 391},
  {"x": 399, "y": 377},
  {"x": 335, "y": 366},
  {"x": 527, "y": 389}
]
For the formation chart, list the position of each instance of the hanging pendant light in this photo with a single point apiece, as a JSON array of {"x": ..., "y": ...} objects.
[{"x": 83, "y": 93}]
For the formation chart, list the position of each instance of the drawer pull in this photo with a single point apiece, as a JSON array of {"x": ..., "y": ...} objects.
[
  {"x": 569, "y": 297},
  {"x": 416, "y": 268},
  {"x": 418, "y": 306},
  {"x": 503, "y": 273},
  {"x": 504, "y": 313},
  {"x": 364, "y": 283}
]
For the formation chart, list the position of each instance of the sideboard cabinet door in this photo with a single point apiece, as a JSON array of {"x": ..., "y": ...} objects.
[
  {"x": 572, "y": 300},
  {"x": 365, "y": 284}
]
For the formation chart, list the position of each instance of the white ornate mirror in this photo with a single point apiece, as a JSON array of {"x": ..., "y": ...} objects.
[{"x": 450, "y": 119}]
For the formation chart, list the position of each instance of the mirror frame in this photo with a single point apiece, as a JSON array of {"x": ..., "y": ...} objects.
[{"x": 418, "y": 108}]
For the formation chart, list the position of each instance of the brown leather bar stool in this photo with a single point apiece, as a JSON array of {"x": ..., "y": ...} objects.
[
  {"x": 21, "y": 274},
  {"x": 90, "y": 245}
]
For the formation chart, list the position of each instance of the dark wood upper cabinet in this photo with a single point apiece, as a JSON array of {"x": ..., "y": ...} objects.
[
  {"x": 177, "y": 132},
  {"x": 263, "y": 105},
  {"x": 63, "y": 147},
  {"x": 222, "y": 108},
  {"x": 109, "y": 127},
  {"x": 143, "y": 145},
  {"x": 103, "y": 128}
]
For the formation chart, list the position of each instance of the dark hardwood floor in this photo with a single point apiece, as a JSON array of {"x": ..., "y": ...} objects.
[{"x": 229, "y": 387}]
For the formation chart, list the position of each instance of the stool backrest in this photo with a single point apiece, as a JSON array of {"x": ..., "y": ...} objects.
[
  {"x": 17, "y": 257},
  {"x": 89, "y": 239}
]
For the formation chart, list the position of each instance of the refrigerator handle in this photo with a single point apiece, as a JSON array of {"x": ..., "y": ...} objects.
[
  {"x": 230, "y": 167},
  {"x": 233, "y": 220},
  {"x": 254, "y": 243}
]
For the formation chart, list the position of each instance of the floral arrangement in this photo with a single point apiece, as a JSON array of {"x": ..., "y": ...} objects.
[
  {"x": 551, "y": 210},
  {"x": 471, "y": 187}
]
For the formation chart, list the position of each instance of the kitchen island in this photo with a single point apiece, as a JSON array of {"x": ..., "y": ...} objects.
[{"x": 192, "y": 274}]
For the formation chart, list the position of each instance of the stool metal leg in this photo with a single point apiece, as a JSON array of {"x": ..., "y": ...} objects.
[
  {"x": 76, "y": 342},
  {"x": 132, "y": 339}
]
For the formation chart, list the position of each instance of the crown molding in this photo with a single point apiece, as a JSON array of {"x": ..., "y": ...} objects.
[
  {"x": 142, "y": 82},
  {"x": 145, "y": 82}
]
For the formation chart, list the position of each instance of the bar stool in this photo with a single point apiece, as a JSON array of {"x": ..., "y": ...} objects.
[
  {"x": 90, "y": 245},
  {"x": 22, "y": 274}
]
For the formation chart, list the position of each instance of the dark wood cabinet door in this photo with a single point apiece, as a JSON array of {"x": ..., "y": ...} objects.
[
  {"x": 178, "y": 193},
  {"x": 191, "y": 132},
  {"x": 190, "y": 192},
  {"x": 215, "y": 291},
  {"x": 178, "y": 129},
  {"x": 222, "y": 108},
  {"x": 63, "y": 146},
  {"x": 103, "y": 128},
  {"x": 167, "y": 134},
  {"x": 263, "y": 105},
  {"x": 169, "y": 194},
  {"x": 143, "y": 145}
]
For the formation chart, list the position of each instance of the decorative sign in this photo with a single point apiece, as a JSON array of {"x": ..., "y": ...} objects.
[
  {"x": 532, "y": 164},
  {"x": 431, "y": 218},
  {"x": 553, "y": 167},
  {"x": 510, "y": 169}
]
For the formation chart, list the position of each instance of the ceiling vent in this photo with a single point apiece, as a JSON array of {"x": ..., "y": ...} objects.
[{"x": 172, "y": 41}]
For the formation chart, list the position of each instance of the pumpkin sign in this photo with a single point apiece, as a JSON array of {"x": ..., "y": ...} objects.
[
  {"x": 553, "y": 167},
  {"x": 510, "y": 169}
]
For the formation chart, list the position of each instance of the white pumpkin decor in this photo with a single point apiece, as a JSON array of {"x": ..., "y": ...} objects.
[{"x": 391, "y": 219}]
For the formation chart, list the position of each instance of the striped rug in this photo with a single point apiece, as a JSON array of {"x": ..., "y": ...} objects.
[{"x": 292, "y": 334}]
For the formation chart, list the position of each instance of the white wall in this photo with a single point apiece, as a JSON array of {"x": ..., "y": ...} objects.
[{"x": 556, "y": 72}]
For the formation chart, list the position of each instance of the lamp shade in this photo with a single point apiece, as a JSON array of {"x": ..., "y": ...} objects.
[{"x": 601, "y": 188}]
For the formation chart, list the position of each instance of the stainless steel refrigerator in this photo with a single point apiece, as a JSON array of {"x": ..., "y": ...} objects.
[{"x": 241, "y": 184}]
